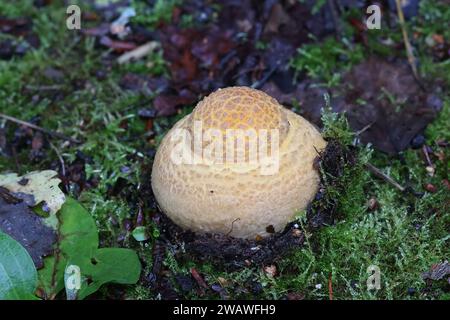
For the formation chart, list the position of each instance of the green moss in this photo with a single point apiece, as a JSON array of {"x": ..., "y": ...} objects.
[
  {"x": 439, "y": 129},
  {"x": 335, "y": 126},
  {"x": 16, "y": 9},
  {"x": 139, "y": 292},
  {"x": 327, "y": 60},
  {"x": 152, "y": 64},
  {"x": 151, "y": 16},
  {"x": 433, "y": 18}
]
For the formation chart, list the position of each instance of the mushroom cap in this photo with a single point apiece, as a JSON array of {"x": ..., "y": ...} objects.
[
  {"x": 240, "y": 108},
  {"x": 205, "y": 193}
]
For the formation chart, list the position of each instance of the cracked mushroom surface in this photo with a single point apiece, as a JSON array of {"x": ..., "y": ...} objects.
[{"x": 240, "y": 164}]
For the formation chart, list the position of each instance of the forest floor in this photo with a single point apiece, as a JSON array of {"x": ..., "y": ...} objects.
[{"x": 69, "y": 81}]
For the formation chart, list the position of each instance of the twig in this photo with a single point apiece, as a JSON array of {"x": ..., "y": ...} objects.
[
  {"x": 359, "y": 132},
  {"x": 330, "y": 287},
  {"x": 35, "y": 127},
  {"x": 44, "y": 88},
  {"x": 16, "y": 161},
  {"x": 232, "y": 226},
  {"x": 8, "y": 197},
  {"x": 335, "y": 18},
  {"x": 201, "y": 282},
  {"x": 408, "y": 47},
  {"x": 427, "y": 156},
  {"x": 258, "y": 84},
  {"x": 138, "y": 53},
  {"x": 384, "y": 176},
  {"x": 61, "y": 160}
]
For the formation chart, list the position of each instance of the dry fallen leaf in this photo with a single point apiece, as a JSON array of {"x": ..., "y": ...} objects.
[
  {"x": 271, "y": 271},
  {"x": 438, "y": 271}
]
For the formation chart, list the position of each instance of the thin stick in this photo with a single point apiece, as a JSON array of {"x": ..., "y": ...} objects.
[
  {"x": 35, "y": 127},
  {"x": 44, "y": 88},
  {"x": 16, "y": 161},
  {"x": 357, "y": 133},
  {"x": 330, "y": 287},
  {"x": 427, "y": 156},
  {"x": 335, "y": 18},
  {"x": 61, "y": 160},
  {"x": 385, "y": 177},
  {"x": 232, "y": 225},
  {"x": 258, "y": 84},
  {"x": 138, "y": 53},
  {"x": 408, "y": 47}
]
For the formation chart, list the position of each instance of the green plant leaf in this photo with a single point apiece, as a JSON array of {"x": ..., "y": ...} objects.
[
  {"x": 111, "y": 265},
  {"x": 18, "y": 275},
  {"x": 78, "y": 246}
]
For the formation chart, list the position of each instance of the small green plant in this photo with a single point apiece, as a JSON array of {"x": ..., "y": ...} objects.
[
  {"x": 335, "y": 125},
  {"x": 151, "y": 16},
  {"x": 261, "y": 45},
  {"x": 327, "y": 60},
  {"x": 434, "y": 16},
  {"x": 78, "y": 246},
  {"x": 187, "y": 21},
  {"x": 152, "y": 64},
  {"x": 317, "y": 6}
]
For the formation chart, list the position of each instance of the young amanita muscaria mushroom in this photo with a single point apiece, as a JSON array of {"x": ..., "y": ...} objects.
[{"x": 206, "y": 183}]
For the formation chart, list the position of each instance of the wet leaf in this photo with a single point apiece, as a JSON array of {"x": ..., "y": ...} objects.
[
  {"x": 438, "y": 271},
  {"x": 278, "y": 17},
  {"x": 166, "y": 105},
  {"x": 381, "y": 98},
  {"x": 18, "y": 26},
  {"x": 18, "y": 276},
  {"x": 22, "y": 224},
  {"x": 21, "y": 28},
  {"x": 386, "y": 96},
  {"x": 37, "y": 187}
]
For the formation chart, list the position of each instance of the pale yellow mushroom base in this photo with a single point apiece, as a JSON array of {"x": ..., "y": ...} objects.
[{"x": 216, "y": 199}]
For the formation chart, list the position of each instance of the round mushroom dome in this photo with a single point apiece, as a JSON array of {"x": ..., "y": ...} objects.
[{"x": 240, "y": 164}]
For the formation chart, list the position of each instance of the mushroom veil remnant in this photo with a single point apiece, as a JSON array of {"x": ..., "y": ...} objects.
[{"x": 240, "y": 164}]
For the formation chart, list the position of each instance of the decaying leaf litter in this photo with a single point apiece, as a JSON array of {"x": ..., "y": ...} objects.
[{"x": 210, "y": 50}]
